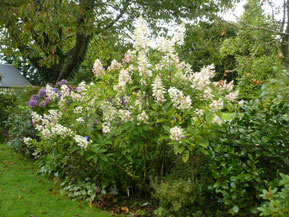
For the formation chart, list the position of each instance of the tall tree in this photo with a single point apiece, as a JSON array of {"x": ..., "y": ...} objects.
[{"x": 53, "y": 35}]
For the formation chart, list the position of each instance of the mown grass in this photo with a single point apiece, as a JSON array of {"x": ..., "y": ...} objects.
[{"x": 24, "y": 193}]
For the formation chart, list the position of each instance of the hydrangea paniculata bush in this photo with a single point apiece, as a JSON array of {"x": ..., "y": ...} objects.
[{"x": 136, "y": 111}]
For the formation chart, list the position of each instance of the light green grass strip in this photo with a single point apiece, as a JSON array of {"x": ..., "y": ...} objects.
[{"x": 24, "y": 194}]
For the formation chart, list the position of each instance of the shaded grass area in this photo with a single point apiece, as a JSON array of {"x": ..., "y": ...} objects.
[{"x": 24, "y": 193}]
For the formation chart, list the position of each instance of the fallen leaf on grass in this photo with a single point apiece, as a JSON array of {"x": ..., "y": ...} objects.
[
  {"x": 19, "y": 197},
  {"x": 44, "y": 212},
  {"x": 11, "y": 163},
  {"x": 22, "y": 189},
  {"x": 0, "y": 189},
  {"x": 124, "y": 209}
]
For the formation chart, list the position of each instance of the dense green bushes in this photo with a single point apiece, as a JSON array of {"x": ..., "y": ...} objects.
[{"x": 149, "y": 126}]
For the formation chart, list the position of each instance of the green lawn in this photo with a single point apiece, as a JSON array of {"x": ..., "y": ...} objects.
[{"x": 24, "y": 193}]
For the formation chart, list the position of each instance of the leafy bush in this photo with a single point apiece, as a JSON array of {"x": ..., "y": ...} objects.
[
  {"x": 20, "y": 126},
  {"x": 251, "y": 151},
  {"x": 278, "y": 202},
  {"x": 123, "y": 129},
  {"x": 6, "y": 100},
  {"x": 185, "y": 192}
]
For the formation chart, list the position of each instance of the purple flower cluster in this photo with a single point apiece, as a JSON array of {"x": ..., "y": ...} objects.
[
  {"x": 35, "y": 99},
  {"x": 60, "y": 83}
]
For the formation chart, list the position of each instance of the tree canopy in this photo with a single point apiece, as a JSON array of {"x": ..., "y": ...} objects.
[{"x": 53, "y": 35}]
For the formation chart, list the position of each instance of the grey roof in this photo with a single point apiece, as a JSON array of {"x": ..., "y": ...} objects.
[{"x": 11, "y": 77}]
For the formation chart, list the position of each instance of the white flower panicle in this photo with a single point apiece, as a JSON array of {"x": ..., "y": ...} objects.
[
  {"x": 76, "y": 97},
  {"x": 128, "y": 56},
  {"x": 51, "y": 94},
  {"x": 180, "y": 35},
  {"x": 82, "y": 86},
  {"x": 216, "y": 105},
  {"x": 241, "y": 103},
  {"x": 109, "y": 112},
  {"x": 106, "y": 127},
  {"x": 78, "y": 109},
  {"x": 201, "y": 80},
  {"x": 123, "y": 78},
  {"x": 144, "y": 65},
  {"x": 176, "y": 134},
  {"x": 142, "y": 34},
  {"x": 143, "y": 117},
  {"x": 125, "y": 115},
  {"x": 46, "y": 133},
  {"x": 217, "y": 120},
  {"x": 65, "y": 92},
  {"x": 114, "y": 65},
  {"x": 35, "y": 117},
  {"x": 165, "y": 45},
  {"x": 98, "y": 70},
  {"x": 60, "y": 130},
  {"x": 158, "y": 90},
  {"x": 27, "y": 140},
  {"x": 178, "y": 99},
  {"x": 232, "y": 96},
  {"x": 199, "y": 112},
  {"x": 81, "y": 141}
]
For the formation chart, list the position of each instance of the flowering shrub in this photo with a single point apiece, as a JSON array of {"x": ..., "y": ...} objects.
[{"x": 137, "y": 113}]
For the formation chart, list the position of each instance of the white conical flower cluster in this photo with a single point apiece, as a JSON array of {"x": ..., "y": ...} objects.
[
  {"x": 142, "y": 34},
  {"x": 179, "y": 100},
  {"x": 158, "y": 90},
  {"x": 98, "y": 70}
]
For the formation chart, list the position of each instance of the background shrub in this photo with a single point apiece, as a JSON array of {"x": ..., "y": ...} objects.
[{"x": 251, "y": 150}]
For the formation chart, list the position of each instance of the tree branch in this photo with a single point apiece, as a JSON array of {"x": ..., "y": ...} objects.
[{"x": 119, "y": 16}]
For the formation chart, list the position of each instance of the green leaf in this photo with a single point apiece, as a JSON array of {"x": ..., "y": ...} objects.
[
  {"x": 185, "y": 156},
  {"x": 236, "y": 209}
]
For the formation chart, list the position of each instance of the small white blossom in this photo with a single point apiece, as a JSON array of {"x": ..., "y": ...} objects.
[
  {"x": 78, "y": 109},
  {"x": 114, "y": 65},
  {"x": 80, "y": 119},
  {"x": 217, "y": 120},
  {"x": 123, "y": 78},
  {"x": 76, "y": 97},
  {"x": 176, "y": 134},
  {"x": 201, "y": 80},
  {"x": 106, "y": 127},
  {"x": 199, "y": 112},
  {"x": 50, "y": 92},
  {"x": 143, "y": 117},
  {"x": 60, "y": 130},
  {"x": 178, "y": 99},
  {"x": 142, "y": 34},
  {"x": 125, "y": 115},
  {"x": 241, "y": 103},
  {"x": 81, "y": 141},
  {"x": 46, "y": 133},
  {"x": 216, "y": 105},
  {"x": 98, "y": 70},
  {"x": 232, "y": 96},
  {"x": 27, "y": 140}
]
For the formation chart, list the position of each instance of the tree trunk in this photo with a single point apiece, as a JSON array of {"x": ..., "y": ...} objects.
[
  {"x": 285, "y": 38},
  {"x": 76, "y": 58}
]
